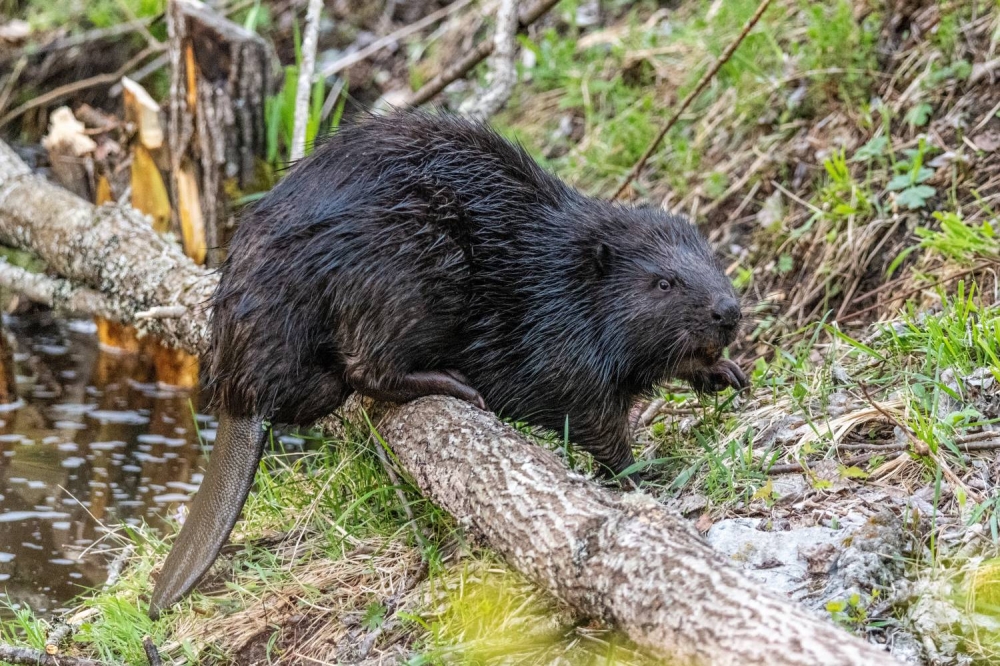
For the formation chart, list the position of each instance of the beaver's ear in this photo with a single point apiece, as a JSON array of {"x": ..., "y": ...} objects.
[{"x": 602, "y": 256}]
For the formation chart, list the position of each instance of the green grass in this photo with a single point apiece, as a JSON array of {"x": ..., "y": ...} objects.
[{"x": 82, "y": 15}]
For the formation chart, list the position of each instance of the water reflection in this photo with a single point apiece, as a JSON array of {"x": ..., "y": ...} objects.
[{"x": 94, "y": 441}]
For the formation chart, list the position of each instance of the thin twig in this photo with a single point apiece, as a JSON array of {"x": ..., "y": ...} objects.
[
  {"x": 163, "y": 312},
  {"x": 977, "y": 436},
  {"x": 503, "y": 70},
  {"x": 144, "y": 72},
  {"x": 71, "y": 41},
  {"x": 866, "y": 446},
  {"x": 965, "y": 446},
  {"x": 651, "y": 412},
  {"x": 70, "y": 626},
  {"x": 430, "y": 89},
  {"x": 916, "y": 290},
  {"x": 117, "y": 566},
  {"x": 989, "y": 445},
  {"x": 75, "y": 87},
  {"x": 791, "y": 468},
  {"x": 709, "y": 75},
  {"x": 921, "y": 447},
  {"x": 11, "y": 82},
  {"x": 304, "y": 87},
  {"x": 57, "y": 636},
  {"x": 351, "y": 59}
]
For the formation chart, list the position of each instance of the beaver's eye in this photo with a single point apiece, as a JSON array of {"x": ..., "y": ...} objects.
[{"x": 664, "y": 285}]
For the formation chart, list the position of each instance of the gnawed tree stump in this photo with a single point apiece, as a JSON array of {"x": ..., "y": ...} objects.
[
  {"x": 149, "y": 195},
  {"x": 220, "y": 75},
  {"x": 621, "y": 558}
]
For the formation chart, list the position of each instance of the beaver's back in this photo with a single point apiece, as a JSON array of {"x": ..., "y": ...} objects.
[{"x": 365, "y": 249}]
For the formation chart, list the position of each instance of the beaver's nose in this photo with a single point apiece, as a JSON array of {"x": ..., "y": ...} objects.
[{"x": 726, "y": 313}]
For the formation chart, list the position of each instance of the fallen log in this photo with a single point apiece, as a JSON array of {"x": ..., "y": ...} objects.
[
  {"x": 621, "y": 558},
  {"x": 109, "y": 249}
]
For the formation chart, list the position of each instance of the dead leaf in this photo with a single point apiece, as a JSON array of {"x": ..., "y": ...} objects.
[
  {"x": 704, "y": 523},
  {"x": 15, "y": 31},
  {"x": 67, "y": 134},
  {"x": 987, "y": 141}
]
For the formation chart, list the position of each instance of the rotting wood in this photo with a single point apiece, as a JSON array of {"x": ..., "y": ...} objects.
[
  {"x": 622, "y": 558},
  {"x": 220, "y": 75},
  {"x": 70, "y": 152},
  {"x": 8, "y": 370},
  {"x": 111, "y": 335}
]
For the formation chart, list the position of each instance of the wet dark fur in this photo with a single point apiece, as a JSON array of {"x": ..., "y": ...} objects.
[{"x": 419, "y": 243}]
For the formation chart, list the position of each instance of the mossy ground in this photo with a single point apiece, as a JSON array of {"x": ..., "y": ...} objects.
[{"x": 844, "y": 163}]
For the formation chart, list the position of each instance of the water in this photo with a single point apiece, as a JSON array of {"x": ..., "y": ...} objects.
[{"x": 93, "y": 442}]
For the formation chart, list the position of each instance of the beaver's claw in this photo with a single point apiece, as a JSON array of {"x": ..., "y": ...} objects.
[{"x": 714, "y": 378}]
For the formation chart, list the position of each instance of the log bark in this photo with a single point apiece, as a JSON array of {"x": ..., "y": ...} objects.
[
  {"x": 106, "y": 249},
  {"x": 622, "y": 558},
  {"x": 220, "y": 74}
]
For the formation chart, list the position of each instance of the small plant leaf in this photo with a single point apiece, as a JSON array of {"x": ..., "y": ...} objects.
[
  {"x": 836, "y": 606},
  {"x": 853, "y": 472},
  {"x": 915, "y": 197},
  {"x": 919, "y": 115},
  {"x": 764, "y": 493},
  {"x": 875, "y": 147},
  {"x": 900, "y": 182}
]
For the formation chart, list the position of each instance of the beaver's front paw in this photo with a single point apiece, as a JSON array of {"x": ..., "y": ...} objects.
[{"x": 714, "y": 378}]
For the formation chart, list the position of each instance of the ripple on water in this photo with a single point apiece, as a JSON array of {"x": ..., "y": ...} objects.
[
  {"x": 154, "y": 439},
  {"x": 18, "y": 516},
  {"x": 170, "y": 498},
  {"x": 124, "y": 417},
  {"x": 106, "y": 446},
  {"x": 70, "y": 425},
  {"x": 95, "y": 441}
]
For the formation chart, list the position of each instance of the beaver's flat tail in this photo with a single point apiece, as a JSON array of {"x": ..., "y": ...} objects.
[{"x": 239, "y": 444}]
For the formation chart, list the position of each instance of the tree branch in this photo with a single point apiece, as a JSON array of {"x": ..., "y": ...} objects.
[
  {"x": 504, "y": 72},
  {"x": 708, "y": 76},
  {"x": 16, "y": 655},
  {"x": 458, "y": 69},
  {"x": 304, "y": 86},
  {"x": 106, "y": 249}
]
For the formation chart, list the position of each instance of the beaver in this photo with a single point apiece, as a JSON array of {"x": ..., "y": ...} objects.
[{"x": 415, "y": 254}]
